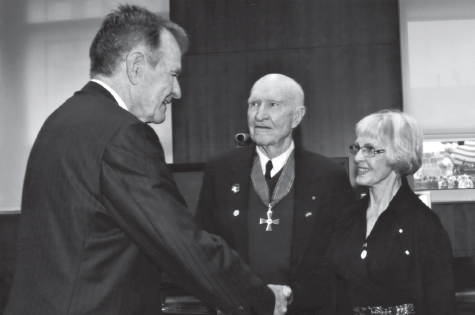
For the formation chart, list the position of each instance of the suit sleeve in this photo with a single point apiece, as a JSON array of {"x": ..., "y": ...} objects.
[
  {"x": 339, "y": 195},
  {"x": 206, "y": 203},
  {"x": 140, "y": 194}
]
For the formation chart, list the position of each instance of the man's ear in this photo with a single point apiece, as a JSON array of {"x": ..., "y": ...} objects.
[
  {"x": 135, "y": 63},
  {"x": 298, "y": 116}
]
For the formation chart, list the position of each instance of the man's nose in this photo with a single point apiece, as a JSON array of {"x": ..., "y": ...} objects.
[
  {"x": 176, "y": 92},
  {"x": 261, "y": 113}
]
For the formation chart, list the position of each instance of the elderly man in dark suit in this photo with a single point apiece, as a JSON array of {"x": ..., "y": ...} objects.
[
  {"x": 276, "y": 204},
  {"x": 101, "y": 214}
]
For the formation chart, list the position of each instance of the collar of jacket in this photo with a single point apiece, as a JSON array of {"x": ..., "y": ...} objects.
[{"x": 402, "y": 202}]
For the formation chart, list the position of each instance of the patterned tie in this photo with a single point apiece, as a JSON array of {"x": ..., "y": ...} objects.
[{"x": 268, "y": 169}]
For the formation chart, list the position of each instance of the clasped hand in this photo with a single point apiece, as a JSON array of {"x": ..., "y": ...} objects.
[{"x": 283, "y": 297}]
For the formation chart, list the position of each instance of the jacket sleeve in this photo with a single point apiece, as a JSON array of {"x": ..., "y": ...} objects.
[
  {"x": 435, "y": 267},
  {"x": 340, "y": 195},
  {"x": 140, "y": 194},
  {"x": 206, "y": 202}
]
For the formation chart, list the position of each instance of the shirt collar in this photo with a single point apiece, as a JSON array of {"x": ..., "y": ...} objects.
[
  {"x": 111, "y": 91},
  {"x": 277, "y": 162}
]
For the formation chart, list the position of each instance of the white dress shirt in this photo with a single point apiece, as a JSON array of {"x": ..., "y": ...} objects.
[{"x": 277, "y": 162}]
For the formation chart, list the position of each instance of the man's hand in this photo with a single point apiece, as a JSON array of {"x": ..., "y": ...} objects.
[{"x": 283, "y": 297}]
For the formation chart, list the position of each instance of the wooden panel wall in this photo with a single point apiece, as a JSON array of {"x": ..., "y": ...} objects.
[
  {"x": 459, "y": 222},
  {"x": 8, "y": 247},
  {"x": 344, "y": 53}
]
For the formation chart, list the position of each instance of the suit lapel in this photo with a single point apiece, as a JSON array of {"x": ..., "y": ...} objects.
[
  {"x": 307, "y": 196},
  {"x": 240, "y": 168}
]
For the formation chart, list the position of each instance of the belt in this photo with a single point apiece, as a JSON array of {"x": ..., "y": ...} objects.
[{"x": 404, "y": 309}]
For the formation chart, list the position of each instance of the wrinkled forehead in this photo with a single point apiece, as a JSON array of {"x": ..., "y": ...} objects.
[{"x": 268, "y": 93}]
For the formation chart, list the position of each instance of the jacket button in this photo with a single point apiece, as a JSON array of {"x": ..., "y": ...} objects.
[{"x": 236, "y": 213}]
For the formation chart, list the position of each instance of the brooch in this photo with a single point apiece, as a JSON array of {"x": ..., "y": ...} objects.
[{"x": 235, "y": 188}]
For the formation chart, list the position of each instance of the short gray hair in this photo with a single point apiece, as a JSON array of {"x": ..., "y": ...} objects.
[
  {"x": 124, "y": 29},
  {"x": 400, "y": 134}
]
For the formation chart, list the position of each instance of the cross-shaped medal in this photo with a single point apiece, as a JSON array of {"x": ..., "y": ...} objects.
[{"x": 269, "y": 220}]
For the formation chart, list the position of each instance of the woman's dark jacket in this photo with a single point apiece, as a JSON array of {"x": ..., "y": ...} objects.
[{"x": 417, "y": 231}]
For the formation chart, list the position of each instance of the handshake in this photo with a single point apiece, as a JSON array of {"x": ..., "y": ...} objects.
[{"x": 283, "y": 297}]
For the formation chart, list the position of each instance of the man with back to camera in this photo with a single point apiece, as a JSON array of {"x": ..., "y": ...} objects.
[
  {"x": 101, "y": 214},
  {"x": 275, "y": 204}
]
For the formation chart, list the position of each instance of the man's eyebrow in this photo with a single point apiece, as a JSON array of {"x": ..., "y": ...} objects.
[{"x": 264, "y": 99}]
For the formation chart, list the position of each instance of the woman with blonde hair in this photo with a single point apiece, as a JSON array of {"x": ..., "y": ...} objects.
[{"x": 390, "y": 252}]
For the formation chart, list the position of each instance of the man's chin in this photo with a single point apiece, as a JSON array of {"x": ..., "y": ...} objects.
[
  {"x": 160, "y": 115},
  {"x": 159, "y": 120},
  {"x": 263, "y": 142}
]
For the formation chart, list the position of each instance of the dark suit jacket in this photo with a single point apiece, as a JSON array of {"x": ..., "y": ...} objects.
[
  {"x": 101, "y": 216},
  {"x": 321, "y": 191}
]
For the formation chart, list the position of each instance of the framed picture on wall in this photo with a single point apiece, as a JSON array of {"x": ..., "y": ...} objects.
[{"x": 448, "y": 166}]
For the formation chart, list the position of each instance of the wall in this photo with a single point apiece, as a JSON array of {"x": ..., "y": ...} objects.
[
  {"x": 344, "y": 53},
  {"x": 458, "y": 220}
]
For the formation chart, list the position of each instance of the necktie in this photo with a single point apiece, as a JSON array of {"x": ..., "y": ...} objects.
[{"x": 268, "y": 169}]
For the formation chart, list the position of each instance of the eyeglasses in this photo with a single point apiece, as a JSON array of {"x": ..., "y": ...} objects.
[{"x": 367, "y": 150}]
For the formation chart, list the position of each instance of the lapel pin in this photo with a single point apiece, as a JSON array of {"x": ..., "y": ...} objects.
[
  {"x": 236, "y": 213},
  {"x": 235, "y": 188},
  {"x": 314, "y": 198},
  {"x": 308, "y": 214}
]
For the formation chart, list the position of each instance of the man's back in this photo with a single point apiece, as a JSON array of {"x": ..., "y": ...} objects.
[
  {"x": 68, "y": 241},
  {"x": 102, "y": 215}
]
